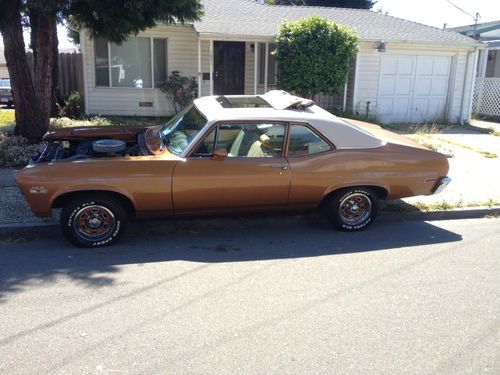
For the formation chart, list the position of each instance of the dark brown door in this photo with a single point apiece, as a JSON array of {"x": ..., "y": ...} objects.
[{"x": 229, "y": 68}]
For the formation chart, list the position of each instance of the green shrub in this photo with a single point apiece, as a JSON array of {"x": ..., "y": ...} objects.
[
  {"x": 314, "y": 55},
  {"x": 15, "y": 151},
  {"x": 72, "y": 106}
]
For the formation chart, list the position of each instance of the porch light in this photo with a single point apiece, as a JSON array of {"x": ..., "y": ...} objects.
[
  {"x": 381, "y": 46},
  {"x": 252, "y": 48}
]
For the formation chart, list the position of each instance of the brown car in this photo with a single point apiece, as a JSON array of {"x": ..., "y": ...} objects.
[{"x": 226, "y": 154}]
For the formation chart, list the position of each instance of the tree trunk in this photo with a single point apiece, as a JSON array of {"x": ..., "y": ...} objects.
[
  {"x": 56, "y": 99},
  {"x": 29, "y": 122},
  {"x": 43, "y": 31}
]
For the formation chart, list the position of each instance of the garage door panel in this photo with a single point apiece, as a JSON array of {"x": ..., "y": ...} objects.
[
  {"x": 387, "y": 86},
  {"x": 415, "y": 87},
  {"x": 442, "y": 66},
  {"x": 390, "y": 65},
  {"x": 440, "y": 86},
  {"x": 404, "y": 86},
  {"x": 385, "y": 106},
  {"x": 401, "y": 106},
  {"x": 405, "y": 65},
  {"x": 425, "y": 65},
  {"x": 423, "y": 86}
]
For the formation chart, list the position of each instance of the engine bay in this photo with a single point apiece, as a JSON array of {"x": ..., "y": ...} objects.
[{"x": 92, "y": 148}]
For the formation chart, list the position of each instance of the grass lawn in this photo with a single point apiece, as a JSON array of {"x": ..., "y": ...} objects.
[{"x": 7, "y": 119}]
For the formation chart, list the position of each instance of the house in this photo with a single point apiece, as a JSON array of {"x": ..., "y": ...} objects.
[
  {"x": 404, "y": 71},
  {"x": 487, "y": 89}
]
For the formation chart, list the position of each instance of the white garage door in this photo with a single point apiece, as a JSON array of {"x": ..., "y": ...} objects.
[{"x": 413, "y": 88}]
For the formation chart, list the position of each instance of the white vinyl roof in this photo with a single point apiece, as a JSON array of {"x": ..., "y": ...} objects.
[{"x": 339, "y": 132}]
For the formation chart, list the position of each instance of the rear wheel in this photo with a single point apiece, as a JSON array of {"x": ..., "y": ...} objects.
[
  {"x": 93, "y": 221},
  {"x": 352, "y": 209}
]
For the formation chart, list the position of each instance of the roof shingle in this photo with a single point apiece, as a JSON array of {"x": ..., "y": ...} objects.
[{"x": 249, "y": 18}]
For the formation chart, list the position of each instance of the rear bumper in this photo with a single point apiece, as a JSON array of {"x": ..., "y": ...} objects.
[{"x": 440, "y": 185}]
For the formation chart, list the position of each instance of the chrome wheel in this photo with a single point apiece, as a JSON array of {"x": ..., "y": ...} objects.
[
  {"x": 94, "y": 223},
  {"x": 355, "y": 208}
]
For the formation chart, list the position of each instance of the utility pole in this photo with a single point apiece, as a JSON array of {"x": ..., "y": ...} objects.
[{"x": 475, "y": 18}]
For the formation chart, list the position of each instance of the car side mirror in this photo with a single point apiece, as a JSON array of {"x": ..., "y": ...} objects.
[{"x": 220, "y": 153}]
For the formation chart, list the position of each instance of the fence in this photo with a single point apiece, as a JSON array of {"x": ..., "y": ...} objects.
[
  {"x": 70, "y": 73},
  {"x": 486, "y": 100}
]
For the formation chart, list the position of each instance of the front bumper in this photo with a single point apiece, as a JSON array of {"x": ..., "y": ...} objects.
[{"x": 440, "y": 185}]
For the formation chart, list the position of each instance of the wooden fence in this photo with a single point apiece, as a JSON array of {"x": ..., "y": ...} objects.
[{"x": 70, "y": 73}]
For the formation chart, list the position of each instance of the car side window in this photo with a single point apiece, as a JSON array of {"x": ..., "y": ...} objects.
[
  {"x": 303, "y": 141},
  {"x": 251, "y": 140},
  {"x": 206, "y": 148},
  {"x": 245, "y": 140}
]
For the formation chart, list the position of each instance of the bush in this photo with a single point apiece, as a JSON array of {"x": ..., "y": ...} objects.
[
  {"x": 314, "y": 55},
  {"x": 72, "y": 106},
  {"x": 15, "y": 151},
  {"x": 180, "y": 90}
]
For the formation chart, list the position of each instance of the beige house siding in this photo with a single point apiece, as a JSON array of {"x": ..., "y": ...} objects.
[
  {"x": 182, "y": 55},
  {"x": 368, "y": 73}
]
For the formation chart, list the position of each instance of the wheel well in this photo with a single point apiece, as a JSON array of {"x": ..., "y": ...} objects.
[
  {"x": 380, "y": 191},
  {"x": 127, "y": 203}
]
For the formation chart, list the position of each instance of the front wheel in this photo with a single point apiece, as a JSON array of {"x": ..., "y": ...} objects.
[
  {"x": 93, "y": 221},
  {"x": 352, "y": 209}
]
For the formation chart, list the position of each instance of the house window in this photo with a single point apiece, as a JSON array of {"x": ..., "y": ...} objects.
[
  {"x": 129, "y": 64},
  {"x": 272, "y": 73}
]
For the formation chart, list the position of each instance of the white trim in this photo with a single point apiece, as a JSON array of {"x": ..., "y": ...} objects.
[
  {"x": 152, "y": 62},
  {"x": 472, "y": 84},
  {"x": 356, "y": 80},
  {"x": 344, "y": 102},
  {"x": 83, "y": 42},
  {"x": 255, "y": 67},
  {"x": 211, "y": 57},
  {"x": 199, "y": 67},
  {"x": 266, "y": 67},
  {"x": 109, "y": 65},
  {"x": 464, "y": 87}
]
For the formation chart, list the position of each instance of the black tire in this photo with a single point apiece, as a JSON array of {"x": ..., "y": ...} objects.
[
  {"x": 93, "y": 220},
  {"x": 351, "y": 209}
]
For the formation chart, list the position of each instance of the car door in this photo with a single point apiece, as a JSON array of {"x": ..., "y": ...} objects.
[{"x": 254, "y": 175}]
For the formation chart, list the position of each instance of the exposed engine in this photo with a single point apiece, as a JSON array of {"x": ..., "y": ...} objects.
[{"x": 91, "y": 148}]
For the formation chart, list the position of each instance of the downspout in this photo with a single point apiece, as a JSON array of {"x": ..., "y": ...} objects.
[{"x": 473, "y": 83}]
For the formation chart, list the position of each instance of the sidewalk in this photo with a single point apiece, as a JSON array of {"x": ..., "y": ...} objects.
[{"x": 475, "y": 179}]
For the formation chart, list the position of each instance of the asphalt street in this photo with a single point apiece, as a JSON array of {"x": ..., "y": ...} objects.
[{"x": 287, "y": 296}]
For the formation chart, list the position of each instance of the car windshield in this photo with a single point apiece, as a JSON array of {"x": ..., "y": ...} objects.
[
  {"x": 4, "y": 83},
  {"x": 182, "y": 129}
]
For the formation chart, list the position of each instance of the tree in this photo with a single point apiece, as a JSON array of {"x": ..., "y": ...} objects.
[
  {"x": 359, "y": 4},
  {"x": 314, "y": 55},
  {"x": 114, "y": 20}
]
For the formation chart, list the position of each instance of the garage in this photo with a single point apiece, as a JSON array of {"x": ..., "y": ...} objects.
[{"x": 413, "y": 87}]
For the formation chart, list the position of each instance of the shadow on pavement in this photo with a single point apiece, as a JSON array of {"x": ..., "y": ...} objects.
[{"x": 34, "y": 260}]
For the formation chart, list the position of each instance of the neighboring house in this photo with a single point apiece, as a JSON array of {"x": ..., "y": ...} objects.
[
  {"x": 404, "y": 71},
  {"x": 4, "y": 73},
  {"x": 487, "y": 90}
]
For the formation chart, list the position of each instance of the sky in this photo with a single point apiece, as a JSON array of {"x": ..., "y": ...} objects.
[
  {"x": 430, "y": 12},
  {"x": 437, "y": 12}
]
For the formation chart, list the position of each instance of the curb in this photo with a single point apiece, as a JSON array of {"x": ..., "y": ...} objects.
[{"x": 51, "y": 228}]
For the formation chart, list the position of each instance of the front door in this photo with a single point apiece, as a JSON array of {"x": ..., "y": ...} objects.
[
  {"x": 229, "y": 68},
  {"x": 253, "y": 176}
]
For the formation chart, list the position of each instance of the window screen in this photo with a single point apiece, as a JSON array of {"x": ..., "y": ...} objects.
[
  {"x": 160, "y": 61},
  {"x": 101, "y": 62},
  {"x": 131, "y": 63}
]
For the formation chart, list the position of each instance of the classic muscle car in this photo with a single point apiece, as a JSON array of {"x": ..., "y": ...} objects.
[{"x": 226, "y": 154}]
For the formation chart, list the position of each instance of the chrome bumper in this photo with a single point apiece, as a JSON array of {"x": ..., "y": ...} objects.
[{"x": 441, "y": 185}]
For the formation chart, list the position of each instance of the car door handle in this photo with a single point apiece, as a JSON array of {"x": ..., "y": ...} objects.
[{"x": 280, "y": 166}]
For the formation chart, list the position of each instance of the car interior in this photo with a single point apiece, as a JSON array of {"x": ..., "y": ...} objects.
[{"x": 261, "y": 140}]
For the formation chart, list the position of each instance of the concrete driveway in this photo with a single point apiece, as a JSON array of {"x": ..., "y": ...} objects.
[{"x": 296, "y": 298}]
